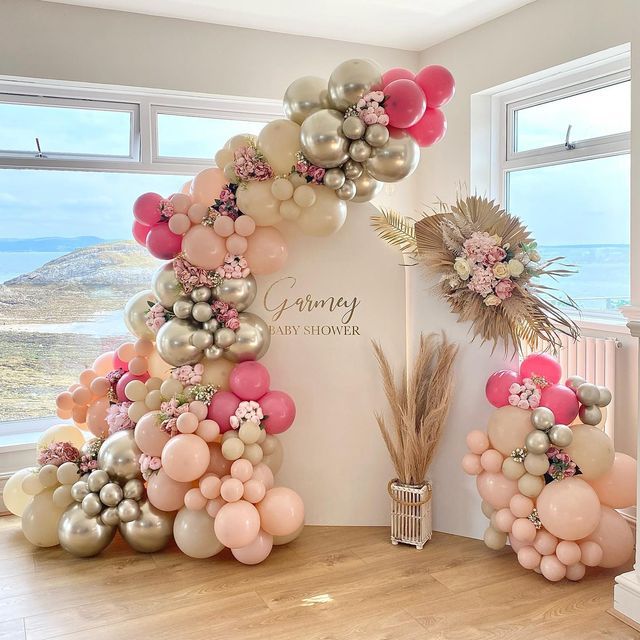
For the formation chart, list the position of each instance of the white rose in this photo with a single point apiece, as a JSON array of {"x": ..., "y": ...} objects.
[
  {"x": 500, "y": 270},
  {"x": 492, "y": 301},
  {"x": 515, "y": 268},
  {"x": 462, "y": 268}
]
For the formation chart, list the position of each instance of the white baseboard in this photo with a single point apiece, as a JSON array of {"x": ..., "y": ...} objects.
[{"x": 626, "y": 596}]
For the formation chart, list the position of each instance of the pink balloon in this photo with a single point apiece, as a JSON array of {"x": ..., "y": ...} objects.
[
  {"x": 617, "y": 487},
  {"x": 545, "y": 543},
  {"x": 162, "y": 243},
  {"x": 281, "y": 511},
  {"x": 524, "y": 530},
  {"x": 207, "y": 185},
  {"x": 615, "y": 537},
  {"x": 214, "y": 506},
  {"x": 520, "y": 505},
  {"x": 146, "y": 208},
  {"x": 194, "y": 500},
  {"x": 97, "y": 418},
  {"x": 496, "y": 489},
  {"x": 529, "y": 558},
  {"x": 405, "y": 103},
  {"x": 477, "y": 441},
  {"x": 279, "y": 410},
  {"x": 181, "y": 202},
  {"x": 242, "y": 470},
  {"x": 185, "y": 457},
  {"x": 164, "y": 493},
  {"x": 568, "y": 552},
  {"x": 140, "y": 232},
  {"x": 541, "y": 365},
  {"x": 218, "y": 463},
  {"x": 119, "y": 363},
  {"x": 249, "y": 380},
  {"x": 254, "y": 490},
  {"x": 124, "y": 381},
  {"x": 552, "y": 569},
  {"x": 396, "y": 73},
  {"x": 237, "y": 524},
  {"x": 430, "y": 128},
  {"x": 471, "y": 464},
  {"x": 497, "y": 389},
  {"x": 203, "y": 247},
  {"x": 236, "y": 244},
  {"x": 179, "y": 223},
  {"x": 244, "y": 226},
  {"x": 148, "y": 435},
  {"x": 504, "y": 520},
  {"x": 223, "y": 405},
  {"x": 223, "y": 226},
  {"x": 267, "y": 251},
  {"x": 103, "y": 364},
  {"x": 562, "y": 401},
  {"x": 264, "y": 474},
  {"x": 569, "y": 508},
  {"x": 210, "y": 486},
  {"x": 576, "y": 571},
  {"x": 491, "y": 460},
  {"x": 437, "y": 83},
  {"x": 232, "y": 489},
  {"x": 256, "y": 551},
  {"x": 516, "y": 544},
  {"x": 590, "y": 553}
]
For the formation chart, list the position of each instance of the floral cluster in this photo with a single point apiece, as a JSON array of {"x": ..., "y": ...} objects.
[
  {"x": 226, "y": 314},
  {"x": 535, "y": 518},
  {"x": 224, "y": 205},
  {"x": 526, "y": 395},
  {"x": 149, "y": 464},
  {"x": 189, "y": 276},
  {"x": 169, "y": 412},
  {"x": 89, "y": 459},
  {"x": 58, "y": 453},
  {"x": 156, "y": 316},
  {"x": 203, "y": 392},
  {"x": 561, "y": 465},
  {"x": 489, "y": 268},
  {"x": 519, "y": 454},
  {"x": 166, "y": 209},
  {"x": 310, "y": 172},
  {"x": 370, "y": 109},
  {"x": 249, "y": 164},
  {"x": 188, "y": 375},
  {"x": 234, "y": 267},
  {"x": 249, "y": 410},
  {"x": 118, "y": 417}
]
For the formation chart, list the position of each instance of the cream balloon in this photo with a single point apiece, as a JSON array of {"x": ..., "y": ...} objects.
[
  {"x": 40, "y": 520},
  {"x": 279, "y": 141},
  {"x": 61, "y": 433},
  {"x": 239, "y": 141},
  {"x": 325, "y": 216},
  {"x": 217, "y": 372},
  {"x": 508, "y": 427},
  {"x": 592, "y": 450},
  {"x": 135, "y": 314},
  {"x": 194, "y": 534},
  {"x": 255, "y": 199},
  {"x": 14, "y": 498},
  {"x": 305, "y": 96}
]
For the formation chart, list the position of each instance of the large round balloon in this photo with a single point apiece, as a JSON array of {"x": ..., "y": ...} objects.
[
  {"x": 194, "y": 534},
  {"x": 119, "y": 455},
  {"x": 267, "y": 251},
  {"x": 351, "y": 80},
  {"x": 13, "y": 496},
  {"x": 203, "y": 247},
  {"x": 396, "y": 160},
  {"x": 305, "y": 96},
  {"x": 165, "y": 285},
  {"x": 617, "y": 487},
  {"x": 279, "y": 141},
  {"x": 207, "y": 185},
  {"x": 165, "y": 493},
  {"x": 148, "y": 435},
  {"x": 150, "y": 531},
  {"x": 367, "y": 187},
  {"x": 322, "y": 140},
  {"x": 173, "y": 342},
  {"x": 508, "y": 428},
  {"x": 256, "y": 200},
  {"x": 185, "y": 457},
  {"x": 496, "y": 489},
  {"x": 40, "y": 519},
  {"x": 61, "y": 433},
  {"x": 240, "y": 292},
  {"x": 615, "y": 537},
  {"x": 252, "y": 339},
  {"x": 82, "y": 535},
  {"x": 135, "y": 314},
  {"x": 592, "y": 450},
  {"x": 325, "y": 216},
  {"x": 281, "y": 511},
  {"x": 256, "y": 551},
  {"x": 237, "y": 524}
]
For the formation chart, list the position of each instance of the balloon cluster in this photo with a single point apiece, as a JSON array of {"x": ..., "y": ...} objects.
[{"x": 549, "y": 482}]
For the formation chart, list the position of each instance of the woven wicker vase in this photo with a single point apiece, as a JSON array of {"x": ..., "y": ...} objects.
[{"x": 410, "y": 513}]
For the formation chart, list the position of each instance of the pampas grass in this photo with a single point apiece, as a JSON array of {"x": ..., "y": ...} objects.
[{"x": 419, "y": 404}]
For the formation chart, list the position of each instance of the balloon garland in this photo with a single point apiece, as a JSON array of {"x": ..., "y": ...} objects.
[
  {"x": 548, "y": 474},
  {"x": 182, "y": 421}
]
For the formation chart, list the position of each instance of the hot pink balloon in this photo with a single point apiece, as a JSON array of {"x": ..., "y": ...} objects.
[
  {"x": 97, "y": 418},
  {"x": 615, "y": 537},
  {"x": 562, "y": 401},
  {"x": 496, "y": 489},
  {"x": 249, "y": 380},
  {"x": 207, "y": 185},
  {"x": 267, "y": 251},
  {"x": 223, "y": 405},
  {"x": 165, "y": 493},
  {"x": 140, "y": 232},
  {"x": 203, "y": 247},
  {"x": 437, "y": 83},
  {"x": 280, "y": 412},
  {"x": 148, "y": 435},
  {"x": 162, "y": 243},
  {"x": 124, "y": 381},
  {"x": 541, "y": 365},
  {"x": 146, "y": 208},
  {"x": 281, "y": 511},
  {"x": 497, "y": 389},
  {"x": 396, "y": 73},
  {"x": 256, "y": 551},
  {"x": 430, "y": 128},
  {"x": 185, "y": 457},
  {"x": 237, "y": 524},
  {"x": 405, "y": 103}
]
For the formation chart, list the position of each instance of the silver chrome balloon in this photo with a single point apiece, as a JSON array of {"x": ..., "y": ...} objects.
[
  {"x": 201, "y": 294},
  {"x": 359, "y": 151},
  {"x": 224, "y": 337},
  {"x": 182, "y": 308},
  {"x": 79, "y": 490},
  {"x": 347, "y": 191},
  {"x": 351, "y": 79},
  {"x": 133, "y": 489},
  {"x": 353, "y": 128},
  {"x": 542, "y": 418},
  {"x": 590, "y": 415},
  {"x": 111, "y": 494},
  {"x": 305, "y": 96},
  {"x": 150, "y": 531},
  {"x": 605, "y": 397},
  {"x": 119, "y": 456},
  {"x": 367, "y": 188},
  {"x": 560, "y": 435},
  {"x": 91, "y": 504},
  {"x": 201, "y": 311},
  {"x": 573, "y": 382},
  {"x": 165, "y": 285},
  {"x": 396, "y": 160},
  {"x": 135, "y": 314},
  {"x": 333, "y": 178},
  {"x": 240, "y": 292},
  {"x": 110, "y": 517},
  {"x": 322, "y": 140},
  {"x": 213, "y": 353},
  {"x": 537, "y": 442},
  {"x": 173, "y": 342},
  {"x": 588, "y": 394},
  {"x": 97, "y": 479},
  {"x": 128, "y": 510},
  {"x": 201, "y": 339},
  {"x": 211, "y": 325},
  {"x": 252, "y": 339},
  {"x": 82, "y": 535},
  {"x": 352, "y": 169},
  {"x": 376, "y": 135}
]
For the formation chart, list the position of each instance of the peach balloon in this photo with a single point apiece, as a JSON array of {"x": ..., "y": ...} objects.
[
  {"x": 256, "y": 551},
  {"x": 207, "y": 185},
  {"x": 521, "y": 506},
  {"x": 164, "y": 493},
  {"x": 86, "y": 377},
  {"x": 495, "y": 489},
  {"x": 267, "y": 251},
  {"x": 126, "y": 351},
  {"x": 281, "y": 511},
  {"x": 471, "y": 464},
  {"x": 194, "y": 500},
  {"x": 552, "y": 569},
  {"x": 223, "y": 226},
  {"x": 615, "y": 537},
  {"x": 254, "y": 490},
  {"x": 242, "y": 470},
  {"x": 236, "y": 244},
  {"x": 508, "y": 428},
  {"x": 545, "y": 543},
  {"x": 568, "y": 552},
  {"x": 203, "y": 247},
  {"x": 590, "y": 553},
  {"x": 491, "y": 460},
  {"x": 186, "y": 187},
  {"x": 197, "y": 212},
  {"x": 148, "y": 435},
  {"x": 181, "y": 202},
  {"x": 617, "y": 487},
  {"x": 504, "y": 520},
  {"x": 187, "y": 423},
  {"x": 213, "y": 506},
  {"x": 179, "y": 224},
  {"x": 237, "y": 524},
  {"x": 263, "y": 473},
  {"x": 576, "y": 571},
  {"x": 97, "y": 418},
  {"x": 103, "y": 364},
  {"x": 199, "y": 409},
  {"x": 569, "y": 508},
  {"x": 100, "y": 386},
  {"x": 81, "y": 395},
  {"x": 157, "y": 367},
  {"x": 529, "y": 558},
  {"x": 477, "y": 441},
  {"x": 592, "y": 450},
  {"x": 185, "y": 457},
  {"x": 210, "y": 486},
  {"x": 244, "y": 226},
  {"x": 79, "y": 415},
  {"x": 231, "y": 490},
  {"x": 208, "y": 430},
  {"x": 524, "y": 530},
  {"x": 65, "y": 401},
  {"x": 217, "y": 372},
  {"x": 138, "y": 365},
  {"x": 218, "y": 463}
]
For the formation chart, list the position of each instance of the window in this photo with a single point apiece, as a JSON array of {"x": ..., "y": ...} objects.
[
  {"x": 68, "y": 263},
  {"x": 565, "y": 171}
]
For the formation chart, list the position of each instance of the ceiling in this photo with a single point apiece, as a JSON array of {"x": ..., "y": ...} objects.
[{"x": 403, "y": 24}]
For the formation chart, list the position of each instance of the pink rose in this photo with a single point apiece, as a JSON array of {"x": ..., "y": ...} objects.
[
  {"x": 155, "y": 463},
  {"x": 514, "y": 400},
  {"x": 523, "y": 404},
  {"x": 504, "y": 289}
]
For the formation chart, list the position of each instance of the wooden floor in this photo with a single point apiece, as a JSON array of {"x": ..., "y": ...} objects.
[{"x": 331, "y": 583}]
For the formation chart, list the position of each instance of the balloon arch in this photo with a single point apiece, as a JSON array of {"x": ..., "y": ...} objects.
[{"x": 184, "y": 421}]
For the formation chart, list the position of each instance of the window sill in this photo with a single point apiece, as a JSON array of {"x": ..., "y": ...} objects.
[{"x": 615, "y": 324}]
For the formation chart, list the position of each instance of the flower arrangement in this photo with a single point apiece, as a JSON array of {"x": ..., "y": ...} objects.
[
  {"x": 234, "y": 267},
  {"x": 169, "y": 412},
  {"x": 149, "y": 464},
  {"x": 526, "y": 395},
  {"x": 156, "y": 316},
  {"x": 189, "y": 276},
  {"x": 310, "y": 172},
  {"x": 166, "y": 209},
  {"x": 57, "y": 453},
  {"x": 226, "y": 314},
  {"x": 224, "y": 205},
  {"x": 370, "y": 109},
  {"x": 247, "y": 411},
  {"x": 118, "y": 417},
  {"x": 488, "y": 268},
  {"x": 188, "y": 374},
  {"x": 249, "y": 164},
  {"x": 560, "y": 464},
  {"x": 89, "y": 458}
]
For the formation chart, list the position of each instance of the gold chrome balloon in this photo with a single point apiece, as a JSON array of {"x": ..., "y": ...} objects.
[
  {"x": 351, "y": 79},
  {"x": 396, "y": 160},
  {"x": 322, "y": 140},
  {"x": 305, "y": 96}
]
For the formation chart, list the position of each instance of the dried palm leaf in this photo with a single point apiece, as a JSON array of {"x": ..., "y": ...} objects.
[{"x": 396, "y": 229}]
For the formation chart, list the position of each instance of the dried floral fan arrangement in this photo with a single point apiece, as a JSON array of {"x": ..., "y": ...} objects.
[
  {"x": 488, "y": 270},
  {"x": 419, "y": 405}
]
